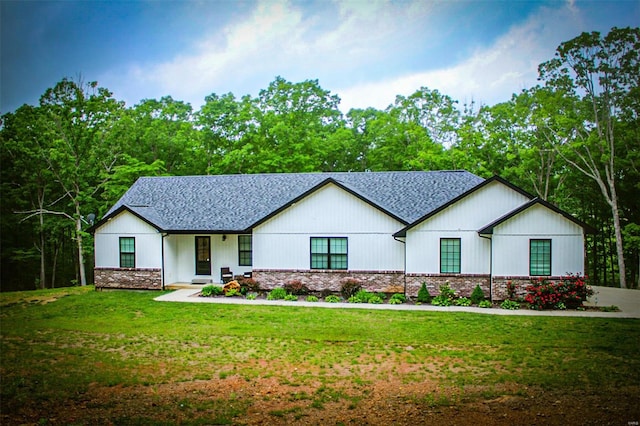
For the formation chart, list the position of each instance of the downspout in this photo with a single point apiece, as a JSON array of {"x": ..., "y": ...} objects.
[
  {"x": 162, "y": 263},
  {"x": 404, "y": 272},
  {"x": 490, "y": 266}
]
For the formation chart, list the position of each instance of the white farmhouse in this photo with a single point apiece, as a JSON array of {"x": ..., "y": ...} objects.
[{"x": 390, "y": 230}]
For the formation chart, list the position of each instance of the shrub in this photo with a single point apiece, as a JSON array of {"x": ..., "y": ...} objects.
[
  {"x": 511, "y": 291},
  {"x": 375, "y": 299},
  {"x": 296, "y": 287},
  {"x": 252, "y": 296},
  {"x": 332, "y": 298},
  {"x": 477, "y": 295},
  {"x": 485, "y": 304},
  {"x": 277, "y": 293},
  {"x": 569, "y": 292},
  {"x": 249, "y": 285},
  {"x": 312, "y": 298},
  {"x": 446, "y": 296},
  {"x": 397, "y": 299},
  {"x": 463, "y": 301},
  {"x": 510, "y": 304},
  {"x": 423, "y": 294},
  {"x": 362, "y": 296},
  {"x": 291, "y": 298},
  {"x": 350, "y": 287},
  {"x": 210, "y": 290},
  {"x": 232, "y": 292}
]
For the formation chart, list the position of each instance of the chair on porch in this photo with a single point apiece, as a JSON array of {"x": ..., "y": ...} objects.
[{"x": 225, "y": 275}]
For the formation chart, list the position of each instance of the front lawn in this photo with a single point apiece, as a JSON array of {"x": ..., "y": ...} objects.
[{"x": 80, "y": 356}]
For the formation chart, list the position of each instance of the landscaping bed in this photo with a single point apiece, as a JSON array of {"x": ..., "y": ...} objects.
[{"x": 568, "y": 293}]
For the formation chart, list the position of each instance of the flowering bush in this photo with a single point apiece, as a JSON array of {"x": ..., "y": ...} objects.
[{"x": 569, "y": 292}]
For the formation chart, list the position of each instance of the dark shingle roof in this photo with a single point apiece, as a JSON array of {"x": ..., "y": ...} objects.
[{"x": 235, "y": 203}]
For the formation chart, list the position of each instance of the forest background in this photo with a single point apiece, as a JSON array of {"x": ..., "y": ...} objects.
[{"x": 572, "y": 140}]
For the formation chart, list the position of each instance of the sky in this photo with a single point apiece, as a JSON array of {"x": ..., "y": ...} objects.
[{"x": 364, "y": 51}]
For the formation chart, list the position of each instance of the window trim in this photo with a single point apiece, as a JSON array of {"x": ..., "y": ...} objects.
[
  {"x": 241, "y": 251},
  {"x": 459, "y": 256},
  {"x": 330, "y": 255},
  {"x": 133, "y": 253},
  {"x": 539, "y": 240}
]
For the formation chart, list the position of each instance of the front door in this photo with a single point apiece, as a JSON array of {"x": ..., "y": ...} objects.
[{"x": 203, "y": 256}]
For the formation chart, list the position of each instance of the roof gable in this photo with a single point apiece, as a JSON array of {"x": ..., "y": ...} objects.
[
  {"x": 324, "y": 183},
  {"x": 536, "y": 201},
  {"x": 428, "y": 215}
]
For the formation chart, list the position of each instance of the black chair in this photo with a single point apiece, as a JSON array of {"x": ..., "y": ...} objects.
[{"x": 226, "y": 275}]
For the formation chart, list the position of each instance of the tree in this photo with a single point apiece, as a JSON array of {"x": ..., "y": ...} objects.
[
  {"x": 161, "y": 130},
  {"x": 76, "y": 122},
  {"x": 604, "y": 72}
]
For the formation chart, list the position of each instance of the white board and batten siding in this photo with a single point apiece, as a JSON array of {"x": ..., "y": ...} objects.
[
  {"x": 461, "y": 220},
  {"x": 148, "y": 242},
  {"x": 283, "y": 241},
  {"x": 511, "y": 242}
]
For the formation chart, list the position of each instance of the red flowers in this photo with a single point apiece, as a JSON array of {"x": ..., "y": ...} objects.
[{"x": 569, "y": 292}]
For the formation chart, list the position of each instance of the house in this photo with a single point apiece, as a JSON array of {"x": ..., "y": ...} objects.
[{"x": 390, "y": 230}]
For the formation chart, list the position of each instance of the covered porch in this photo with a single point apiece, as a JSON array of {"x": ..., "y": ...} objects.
[{"x": 200, "y": 259}]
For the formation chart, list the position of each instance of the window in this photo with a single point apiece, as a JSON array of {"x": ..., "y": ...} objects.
[
  {"x": 540, "y": 257},
  {"x": 328, "y": 253},
  {"x": 449, "y": 255},
  {"x": 127, "y": 252},
  {"x": 245, "y": 250}
]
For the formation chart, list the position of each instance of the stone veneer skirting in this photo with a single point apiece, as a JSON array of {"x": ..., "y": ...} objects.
[
  {"x": 331, "y": 280},
  {"x": 393, "y": 281},
  {"x": 128, "y": 278},
  {"x": 463, "y": 285}
]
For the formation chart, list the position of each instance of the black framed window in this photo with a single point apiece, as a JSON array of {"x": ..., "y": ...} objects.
[
  {"x": 329, "y": 253},
  {"x": 540, "y": 257},
  {"x": 449, "y": 255},
  {"x": 245, "y": 250},
  {"x": 127, "y": 252}
]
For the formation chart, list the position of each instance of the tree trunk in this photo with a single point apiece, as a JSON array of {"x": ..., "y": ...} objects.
[
  {"x": 43, "y": 276},
  {"x": 618, "y": 233},
  {"x": 83, "y": 277}
]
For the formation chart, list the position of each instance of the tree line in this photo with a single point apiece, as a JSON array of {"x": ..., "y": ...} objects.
[{"x": 572, "y": 140}]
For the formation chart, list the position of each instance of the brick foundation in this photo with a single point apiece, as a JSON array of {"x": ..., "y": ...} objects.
[
  {"x": 128, "y": 278},
  {"x": 463, "y": 285},
  {"x": 331, "y": 280}
]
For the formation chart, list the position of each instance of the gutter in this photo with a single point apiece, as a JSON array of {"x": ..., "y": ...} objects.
[{"x": 404, "y": 275}]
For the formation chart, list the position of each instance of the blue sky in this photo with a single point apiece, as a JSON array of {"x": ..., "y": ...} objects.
[{"x": 366, "y": 52}]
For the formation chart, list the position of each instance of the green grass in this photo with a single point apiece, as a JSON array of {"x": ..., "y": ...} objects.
[{"x": 55, "y": 344}]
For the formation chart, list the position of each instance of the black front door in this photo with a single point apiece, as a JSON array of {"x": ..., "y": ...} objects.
[{"x": 203, "y": 256}]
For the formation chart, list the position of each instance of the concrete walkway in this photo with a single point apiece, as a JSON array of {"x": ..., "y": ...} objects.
[{"x": 627, "y": 300}]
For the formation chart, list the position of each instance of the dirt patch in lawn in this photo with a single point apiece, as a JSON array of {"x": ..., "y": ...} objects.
[{"x": 268, "y": 401}]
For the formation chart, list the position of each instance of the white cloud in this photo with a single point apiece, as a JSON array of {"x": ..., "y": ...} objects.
[
  {"x": 276, "y": 39},
  {"x": 490, "y": 75}
]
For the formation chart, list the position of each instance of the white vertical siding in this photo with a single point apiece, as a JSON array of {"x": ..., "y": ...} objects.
[
  {"x": 461, "y": 220},
  {"x": 283, "y": 242},
  {"x": 511, "y": 243},
  {"x": 147, "y": 240}
]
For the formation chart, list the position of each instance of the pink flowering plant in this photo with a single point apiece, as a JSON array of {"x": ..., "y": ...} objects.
[{"x": 567, "y": 293}]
